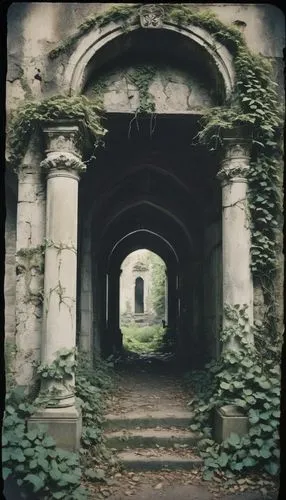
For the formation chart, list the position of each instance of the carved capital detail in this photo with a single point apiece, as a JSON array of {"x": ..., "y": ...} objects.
[
  {"x": 236, "y": 161},
  {"x": 62, "y": 137},
  {"x": 63, "y": 161},
  {"x": 236, "y": 170},
  {"x": 151, "y": 16}
]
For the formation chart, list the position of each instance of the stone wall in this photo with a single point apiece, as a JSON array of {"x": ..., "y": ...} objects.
[
  {"x": 171, "y": 90},
  {"x": 30, "y": 40},
  {"x": 10, "y": 275},
  {"x": 32, "y": 74},
  {"x": 10, "y": 284}
]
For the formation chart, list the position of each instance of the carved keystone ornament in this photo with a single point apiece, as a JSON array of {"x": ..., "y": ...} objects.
[{"x": 151, "y": 16}]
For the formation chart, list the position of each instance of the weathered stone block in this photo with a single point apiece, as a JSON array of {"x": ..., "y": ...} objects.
[
  {"x": 228, "y": 419},
  {"x": 63, "y": 424}
]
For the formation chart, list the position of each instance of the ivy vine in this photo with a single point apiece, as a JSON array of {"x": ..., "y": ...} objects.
[
  {"x": 142, "y": 76},
  {"x": 31, "y": 460},
  {"x": 114, "y": 14},
  {"x": 61, "y": 368},
  {"x": 247, "y": 377},
  {"x": 28, "y": 116},
  {"x": 250, "y": 379},
  {"x": 254, "y": 102}
]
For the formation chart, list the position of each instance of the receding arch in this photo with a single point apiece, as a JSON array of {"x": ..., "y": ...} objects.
[
  {"x": 143, "y": 233},
  {"x": 161, "y": 209}
]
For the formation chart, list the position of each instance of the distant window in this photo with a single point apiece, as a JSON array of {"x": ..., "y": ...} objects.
[{"x": 139, "y": 296}]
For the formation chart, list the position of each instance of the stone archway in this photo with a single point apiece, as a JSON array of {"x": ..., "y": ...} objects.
[
  {"x": 160, "y": 201},
  {"x": 78, "y": 68},
  {"x": 112, "y": 336}
]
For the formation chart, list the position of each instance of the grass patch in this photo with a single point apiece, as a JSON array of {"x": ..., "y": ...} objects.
[{"x": 142, "y": 339}]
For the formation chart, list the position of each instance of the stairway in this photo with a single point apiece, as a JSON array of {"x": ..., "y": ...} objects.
[{"x": 153, "y": 440}]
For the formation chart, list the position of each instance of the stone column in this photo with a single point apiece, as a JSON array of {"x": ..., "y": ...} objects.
[
  {"x": 29, "y": 263},
  {"x": 166, "y": 297},
  {"x": 236, "y": 236},
  {"x": 63, "y": 166}
]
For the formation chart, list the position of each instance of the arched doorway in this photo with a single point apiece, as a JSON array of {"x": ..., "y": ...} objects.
[
  {"x": 151, "y": 177},
  {"x": 143, "y": 302},
  {"x": 139, "y": 295}
]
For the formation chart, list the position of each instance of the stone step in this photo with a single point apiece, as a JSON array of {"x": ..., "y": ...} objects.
[
  {"x": 137, "y": 460},
  {"x": 149, "y": 438},
  {"x": 136, "y": 419}
]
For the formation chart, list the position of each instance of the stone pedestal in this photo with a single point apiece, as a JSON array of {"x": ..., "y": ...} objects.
[
  {"x": 63, "y": 424},
  {"x": 236, "y": 236},
  {"x": 229, "y": 419}
]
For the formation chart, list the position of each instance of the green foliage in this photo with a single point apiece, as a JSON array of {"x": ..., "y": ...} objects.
[
  {"x": 142, "y": 339},
  {"x": 61, "y": 368},
  {"x": 30, "y": 252},
  {"x": 28, "y": 116},
  {"x": 251, "y": 381},
  {"x": 141, "y": 76},
  {"x": 158, "y": 284},
  {"x": 265, "y": 206},
  {"x": 114, "y": 14},
  {"x": 93, "y": 384},
  {"x": 253, "y": 102},
  {"x": 185, "y": 15},
  {"x": 10, "y": 352},
  {"x": 31, "y": 457},
  {"x": 41, "y": 470}
]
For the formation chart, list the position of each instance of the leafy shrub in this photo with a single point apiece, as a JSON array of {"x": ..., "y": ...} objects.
[
  {"x": 244, "y": 378},
  {"x": 142, "y": 338},
  {"x": 31, "y": 458},
  {"x": 93, "y": 384}
]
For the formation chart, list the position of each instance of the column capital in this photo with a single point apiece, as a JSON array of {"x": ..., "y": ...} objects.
[
  {"x": 63, "y": 150},
  {"x": 63, "y": 135},
  {"x": 59, "y": 164},
  {"x": 235, "y": 164}
]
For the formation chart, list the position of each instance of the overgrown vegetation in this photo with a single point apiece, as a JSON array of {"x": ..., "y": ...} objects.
[
  {"x": 250, "y": 379},
  {"x": 247, "y": 377},
  {"x": 158, "y": 285},
  {"x": 114, "y": 14},
  {"x": 30, "y": 456},
  {"x": 141, "y": 76},
  {"x": 142, "y": 339},
  {"x": 28, "y": 117}
]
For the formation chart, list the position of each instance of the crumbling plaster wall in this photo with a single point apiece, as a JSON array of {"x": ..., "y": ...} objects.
[
  {"x": 35, "y": 28},
  {"x": 10, "y": 276},
  {"x": 171, "y": 91}
]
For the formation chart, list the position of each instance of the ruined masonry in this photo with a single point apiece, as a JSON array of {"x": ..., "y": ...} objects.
[{"x": 74, "y": 214}]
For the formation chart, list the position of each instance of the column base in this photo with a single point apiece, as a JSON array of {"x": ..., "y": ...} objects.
[
  {"x": 228, "y": 419},
  {"x": 63, "y": 424}
]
